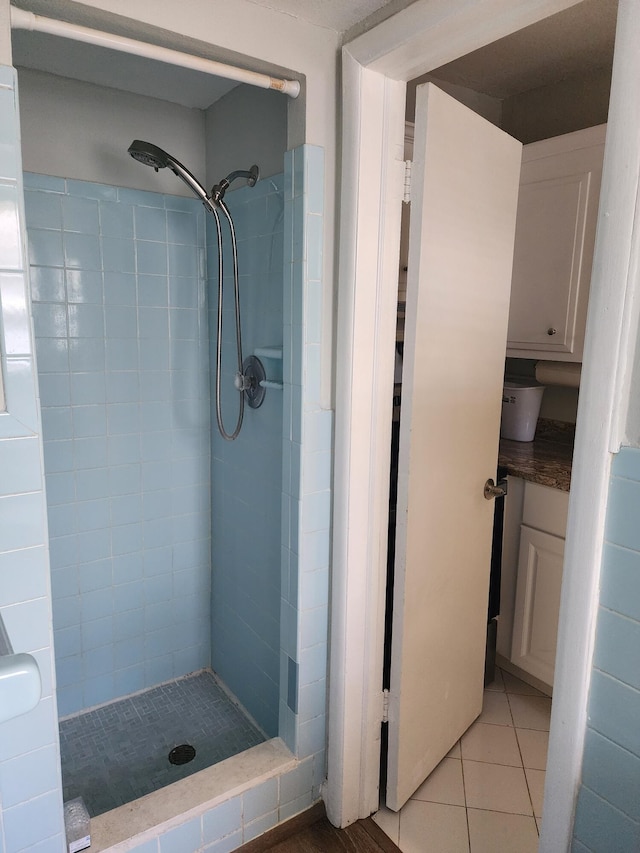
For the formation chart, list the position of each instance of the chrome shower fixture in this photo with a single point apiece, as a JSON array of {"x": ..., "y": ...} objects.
[
  {"x": 151, "y": 155},
  {"x": 218, "y": 191},
  {"x": 157, "y": 158},
  {"x": 249, "y": 375}
]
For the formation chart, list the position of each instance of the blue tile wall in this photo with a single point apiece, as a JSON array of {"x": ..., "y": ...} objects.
[
  {"x": 30, "y": 784},
  {"x": 247, "y": 473},
  {"x": 119, "y": 449},
  {"x": 121, "y": 338},
  {"x": 608, "y": 811},
  {"x": 307, "y": 445},
  {"x": 303, "y": 546}
]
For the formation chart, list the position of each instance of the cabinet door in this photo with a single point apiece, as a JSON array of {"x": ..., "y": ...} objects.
[
  {"x": 555, "y": 234},
  {"x": 535, "y": 623}
]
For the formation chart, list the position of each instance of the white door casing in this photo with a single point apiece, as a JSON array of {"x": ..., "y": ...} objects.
[
  {"x": 464, "y": 193},
  {"x": 413, "y": 42}
]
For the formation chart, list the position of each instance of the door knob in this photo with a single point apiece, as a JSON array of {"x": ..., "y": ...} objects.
[{"x": 492, "y": 491}]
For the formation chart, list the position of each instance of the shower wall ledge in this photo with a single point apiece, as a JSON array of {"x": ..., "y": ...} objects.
[{"x": 188, "y": 800}]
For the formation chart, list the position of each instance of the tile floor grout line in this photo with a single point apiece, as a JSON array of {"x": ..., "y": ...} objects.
[
  {"x": 464, "y": 793},
  {"x": 499, "y": 811},
  {"x": 526, "y": 779}
]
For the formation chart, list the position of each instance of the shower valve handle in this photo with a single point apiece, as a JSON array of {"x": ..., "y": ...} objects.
[{"x": 242, "y": 382}]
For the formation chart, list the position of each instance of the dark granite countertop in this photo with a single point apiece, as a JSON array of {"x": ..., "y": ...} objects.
[{"x": 546, "y": 459}]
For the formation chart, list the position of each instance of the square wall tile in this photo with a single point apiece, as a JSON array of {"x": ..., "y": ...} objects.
[
  {"x": 620, "y": 581},
  {"x": 222, "y": 820},
  {"x": 47, "y": 284},
  {"x": 15, "y": 319},
  {"x": 82, "y": 251},
  {"x": 612, "y": 773},
  {"x": 119, "y": 255},
  {"x": 601, "y": 826},
  {"x": 53, "y": 355},
  {"x": 45, "y": 249},
  {"x": 621, "y": 528},
  {"x": 23, "y": 574},
  {"x": 20, "y": 466},
  {"x": 260, "y": 800},
  {"x": 80, "y": 214},
  {"x": 29, "y": 822},
  {"x": 43, "y": 210},
  {"x": 617, "y": 639},
  {"x": 626, "y": 464},
  {"x": 21, "y": 521},
  {"x": 613, "y": 711},
  {"x": 11, "y": 242}
]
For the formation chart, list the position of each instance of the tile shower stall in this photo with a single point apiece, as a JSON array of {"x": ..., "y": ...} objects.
[{"x": 174, "y": 552}]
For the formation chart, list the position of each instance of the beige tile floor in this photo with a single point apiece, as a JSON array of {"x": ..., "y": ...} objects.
[{"x": 486, "y": 795}]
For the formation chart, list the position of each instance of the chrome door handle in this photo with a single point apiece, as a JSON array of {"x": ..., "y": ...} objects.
[{"x": 492, "y": 491}]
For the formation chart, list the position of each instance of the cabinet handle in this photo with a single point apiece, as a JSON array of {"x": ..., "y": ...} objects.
[{"x": 551, "y": 331}]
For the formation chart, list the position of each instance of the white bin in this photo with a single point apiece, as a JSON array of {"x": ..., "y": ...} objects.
[{"x": 520, "y": 409}]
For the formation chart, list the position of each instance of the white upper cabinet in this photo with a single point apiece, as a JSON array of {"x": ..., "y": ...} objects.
[{"x": 555, "y": 235}]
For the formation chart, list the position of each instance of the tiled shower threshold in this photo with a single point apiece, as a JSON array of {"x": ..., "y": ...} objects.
[{"x": 130, "y": 825}]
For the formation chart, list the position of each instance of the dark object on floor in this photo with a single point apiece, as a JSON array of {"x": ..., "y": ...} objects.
[
  {"x": 182, "y": 754},
  {"x": 117, "y": 753},
  {"x": 311, "y": 832}
]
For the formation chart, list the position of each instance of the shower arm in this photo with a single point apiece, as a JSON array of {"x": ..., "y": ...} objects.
[{"x": 218, "y": 191}]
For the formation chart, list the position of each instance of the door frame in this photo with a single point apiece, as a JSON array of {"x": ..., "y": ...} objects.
[{"x": 375, "y": 68}]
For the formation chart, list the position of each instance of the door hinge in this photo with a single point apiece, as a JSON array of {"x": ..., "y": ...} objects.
[
  {"x": 407, "y": 181},
  {"x": 385, "y": 706}
]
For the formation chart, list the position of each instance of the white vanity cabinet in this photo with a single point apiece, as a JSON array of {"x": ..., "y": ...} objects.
[
  {"x": 555, "y": 235},
  {"x": 538, "y": 581}
]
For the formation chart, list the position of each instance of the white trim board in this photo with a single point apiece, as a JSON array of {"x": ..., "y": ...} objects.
[{"x": 411, "y": 43}]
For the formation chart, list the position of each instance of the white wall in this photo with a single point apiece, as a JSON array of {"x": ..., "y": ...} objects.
[
  {"x": 246, "y": 126},
  {"x": 77, "y": 130},
  {"x": 5, "y": 34}
]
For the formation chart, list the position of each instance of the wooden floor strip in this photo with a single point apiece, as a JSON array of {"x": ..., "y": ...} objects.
[{"x": 311, "y": 832}]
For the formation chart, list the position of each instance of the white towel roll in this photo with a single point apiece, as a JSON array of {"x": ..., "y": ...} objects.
[{"x": 558, "y": 373}]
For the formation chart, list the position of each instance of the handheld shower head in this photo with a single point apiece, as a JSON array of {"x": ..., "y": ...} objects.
[{"x": 151, "y": 155}]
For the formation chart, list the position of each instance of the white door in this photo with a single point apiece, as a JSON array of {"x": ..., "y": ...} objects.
[{"x": 463, "y": 212}]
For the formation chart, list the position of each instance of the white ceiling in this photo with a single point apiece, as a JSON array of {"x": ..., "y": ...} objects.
[
  {"x": 572, "y": 42},
  {"x": 338, "y": 15}
]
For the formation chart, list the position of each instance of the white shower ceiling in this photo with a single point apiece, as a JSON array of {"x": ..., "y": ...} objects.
[{"x": 68, "y": 58}]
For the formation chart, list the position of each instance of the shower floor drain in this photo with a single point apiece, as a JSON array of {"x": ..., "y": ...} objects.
[{"x": 182, "y": 754}]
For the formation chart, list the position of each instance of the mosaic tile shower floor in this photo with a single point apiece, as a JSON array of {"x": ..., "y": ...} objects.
[{"x": 119, "y": 752}]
